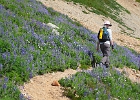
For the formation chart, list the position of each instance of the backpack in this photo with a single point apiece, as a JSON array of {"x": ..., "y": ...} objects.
[{"x": 103, "y": 35}]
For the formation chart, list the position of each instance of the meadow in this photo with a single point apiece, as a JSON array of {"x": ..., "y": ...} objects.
[{"x": 29, "y": 47}]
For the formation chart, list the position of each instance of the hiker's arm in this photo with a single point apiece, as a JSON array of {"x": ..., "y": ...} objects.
[{"x": 111, "y": 42}]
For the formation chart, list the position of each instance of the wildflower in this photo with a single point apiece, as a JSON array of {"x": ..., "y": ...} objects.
[
  {"x": 4, "y": 86},
  {"x": 6, "y": 79},
  {"x": 1, "y": 67},
  {"x": 18, "y": 0},
  {"x": 1, "y": 7},
  {"x": 23, "y": 51},
  {"x": 43, "y": 10},
  {"x": 85, "y": 93},
  {"x": 31, "y": 75},
  {"x": 109, "y": 97},
  {"x": 21, "y": 96},
  {"x": 4, "y": 56}
]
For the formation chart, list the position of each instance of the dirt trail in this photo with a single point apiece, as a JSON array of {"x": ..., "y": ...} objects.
[
  {"x": 39, "y": 87},
  {"x": 132, "y": 74}
]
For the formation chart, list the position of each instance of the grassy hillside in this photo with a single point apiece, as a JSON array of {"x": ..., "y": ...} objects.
[
  {"x": 138, "y": 1},
  {"x": 108, "y": 8},
  {"x": 29, "y": 46}
]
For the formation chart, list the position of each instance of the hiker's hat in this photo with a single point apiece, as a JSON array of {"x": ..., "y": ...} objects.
[{"x": 107, "y": 23}]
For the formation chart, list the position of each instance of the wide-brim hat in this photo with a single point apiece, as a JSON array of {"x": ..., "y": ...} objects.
[{"x": 107, "y": 23}]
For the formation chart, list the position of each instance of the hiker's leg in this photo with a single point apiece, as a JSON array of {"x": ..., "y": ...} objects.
[
  {"x": 105, "y": 48},
  {"x": 107, "y": 54},
  {"x": 102, "y": 47}
]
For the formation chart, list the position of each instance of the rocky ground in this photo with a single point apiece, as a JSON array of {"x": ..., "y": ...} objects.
[{"x": 40, "y": 88}]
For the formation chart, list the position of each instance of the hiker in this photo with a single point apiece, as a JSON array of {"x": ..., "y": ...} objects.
[{"x": 104, "y": 43}]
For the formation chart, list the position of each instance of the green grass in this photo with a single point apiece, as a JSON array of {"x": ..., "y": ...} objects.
[
  {"x": 138, "y": 1},
  {"x": 108, "y": 8}
]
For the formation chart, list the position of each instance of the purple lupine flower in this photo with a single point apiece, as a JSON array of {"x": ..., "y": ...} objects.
[
  {"x": 97, "y": 98},
  {"x": 42, "y": 41},
  {"x": 15, "y": 54},
  {"x": 43, "y": 10},
  {"x": 33, "y": 67},
  {"x": 40, "y": 24},
  {"x": 109, "y": 97},
  {"x": 21, "y": 96},
  {"x": 139, "y": 62},
  {"x": 104, "y": 91},
  {"x": 31, "y": 48},
  {"x": 4, "y": 86},
  {"x": 1, "y": 29},
  {"x": 1, "y": 7},
  {"x": 35, "y": 35},
  {"x": 28, "y": 68},
  {"x": 133, "y": 58},
  {"x": 30, "y": 58},
  {"x": 105, "y": 74},
  {"x": 6, "y": 79},
  {"x": 4, "y": 56},
  {"x": 18, "y": 0},
  {"x": 23, "y": 51},
  {"x": 85, "y": 93},
  {"x": 72, "y": 25},
  {"x": 118, "y": 72},
  {"x": 1, "y": 67},
  {"x": 32, "y": 0},
  {"x": 30, "y": 75},
  {"x": 94, "y": 36}
]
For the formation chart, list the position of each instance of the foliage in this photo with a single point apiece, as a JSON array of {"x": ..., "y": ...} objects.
[
  {"x": 137, "y": 0},
  {"x": 29, "y": 47},
  {"x": 100, "y": 84}
]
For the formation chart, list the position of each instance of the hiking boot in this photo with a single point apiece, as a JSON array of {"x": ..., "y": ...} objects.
[
  {"x": 93, "y": 65},
  {"x": 101, "y": 65},
  {"x": 107, "y": 66}
]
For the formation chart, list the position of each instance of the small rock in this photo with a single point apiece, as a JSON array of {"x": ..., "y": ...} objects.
[
  {"x": 134, "y": 70},
  {"x": 55, "y": 83},
  {"x": 55, "y": 31},
  {"x": 31, "y": 81},
  {"x": 53, "y": 73},
  {"x": 52, "y": 26},
  {"x": 138, "y": 75}
]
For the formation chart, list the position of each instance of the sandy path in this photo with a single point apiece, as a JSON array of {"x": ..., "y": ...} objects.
[
  {"x": 132, "y": 74},
  {"x": 40, "y": 88}
]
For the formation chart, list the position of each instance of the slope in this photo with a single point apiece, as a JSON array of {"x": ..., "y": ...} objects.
[
  {"x": 94, "y": 22},
  {"x": 91, "y": 21}
]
